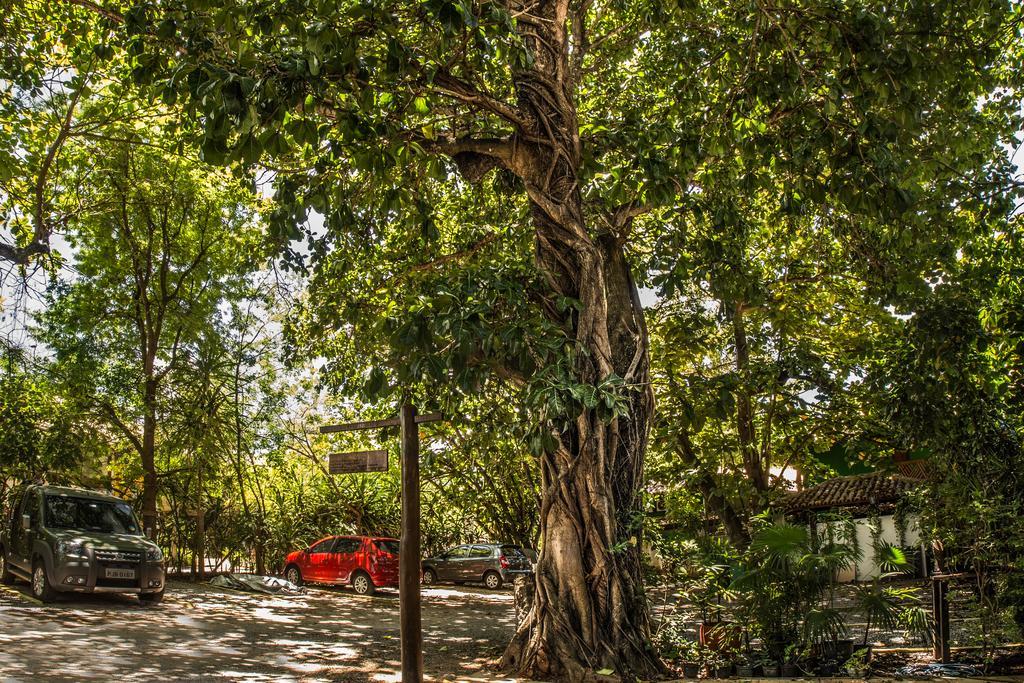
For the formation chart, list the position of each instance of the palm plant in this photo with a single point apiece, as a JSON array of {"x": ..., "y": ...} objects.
[
  {"x": 787, "y": 582},
  {"x": 823, "y": 625},
  {"x": 883, "y": 606}
]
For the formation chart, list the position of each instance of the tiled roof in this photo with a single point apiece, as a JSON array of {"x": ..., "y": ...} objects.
[{"x": 853, "y": 491}]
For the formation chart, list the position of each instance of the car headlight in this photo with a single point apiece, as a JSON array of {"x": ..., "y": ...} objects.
[
  {"x": 70, "y": 549},
  {"x": 154, "y": 555}
]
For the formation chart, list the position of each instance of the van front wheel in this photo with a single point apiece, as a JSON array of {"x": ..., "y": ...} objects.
[{"x": 41, "y": 588}]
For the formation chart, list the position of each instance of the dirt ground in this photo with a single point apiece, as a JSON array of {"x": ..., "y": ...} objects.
[{"x": 202, "y": 633}]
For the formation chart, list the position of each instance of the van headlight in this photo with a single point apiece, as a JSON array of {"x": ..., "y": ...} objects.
[
  {"x": 70, "y": 549},
  {"x": 154, "y": 555}
]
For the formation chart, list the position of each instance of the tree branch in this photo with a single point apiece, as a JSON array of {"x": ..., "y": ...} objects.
[
  {"x": 451, "y": 86},
  {"x": 475, "y": 156},
  {"x": 121, "y": 426},
  {"x": 103, "y": 11},
  {"x": 620, "y": 219},
  {"x": 458, "y": 255},
  {"x": 40, "y": 243},
  {"x": 22, "y": 255}
]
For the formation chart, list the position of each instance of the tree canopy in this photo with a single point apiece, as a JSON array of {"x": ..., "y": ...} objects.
[{"x": 474, "y": 194}]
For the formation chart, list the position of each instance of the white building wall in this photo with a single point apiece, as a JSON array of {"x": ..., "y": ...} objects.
[{"x": 866, "y": 567}]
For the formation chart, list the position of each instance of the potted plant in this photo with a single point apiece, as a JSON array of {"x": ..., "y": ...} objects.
[
  {"x": 883, "y": 606},
  {"x": 706, "y": 590},
  {"x": 828, "y": 658},
  {"x": 823, "y": 630},
  {"x": 691, "y": 655},
  {"x": 746, "y": 665},
  {"x": 769, "y": 667},
  {"x": 717, "y": 665},
  {"x": 791, "y": 659},
  {"x": 858, "y": 665},
  {"x": 784, "y": 579}
]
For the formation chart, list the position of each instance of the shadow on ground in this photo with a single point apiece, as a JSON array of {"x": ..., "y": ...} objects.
[{"x": 204, "y": 632}]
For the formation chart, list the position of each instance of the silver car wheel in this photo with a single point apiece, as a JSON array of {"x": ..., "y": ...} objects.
[
  {"x": 293, "y": 576},
  {"x": 38, "y": 581},
  {"x": 492, "y": 580},
  {"x": 361, "y": 584}
]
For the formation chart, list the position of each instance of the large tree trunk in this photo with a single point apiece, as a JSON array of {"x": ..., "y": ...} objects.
[{"x": 589, "y": 612}]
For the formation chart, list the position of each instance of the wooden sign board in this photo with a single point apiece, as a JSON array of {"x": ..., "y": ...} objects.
[{"x": 360, "y": 461}]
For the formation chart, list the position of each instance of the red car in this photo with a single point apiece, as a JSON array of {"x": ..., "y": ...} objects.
[{"x": 367, "y": 562}]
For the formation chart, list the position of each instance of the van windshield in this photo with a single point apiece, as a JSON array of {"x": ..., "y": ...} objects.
[{"x": 90, "y": 514}]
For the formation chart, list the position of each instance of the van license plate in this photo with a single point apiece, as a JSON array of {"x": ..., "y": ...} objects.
[{"x": 120, "y": 573}]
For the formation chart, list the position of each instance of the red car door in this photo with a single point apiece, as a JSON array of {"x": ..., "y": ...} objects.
[
  {"x": 329, "y": 566},
  {"x": 346, "y": 558},
  {"x": 317, "y": 560}
]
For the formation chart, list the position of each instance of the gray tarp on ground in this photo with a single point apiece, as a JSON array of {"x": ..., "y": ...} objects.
[
  {"x": 255, "y": 583},
  {"x": 939, "y": 670}
]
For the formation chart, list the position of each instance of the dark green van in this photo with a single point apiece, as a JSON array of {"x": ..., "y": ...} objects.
[{"x": 67, "y": 540}]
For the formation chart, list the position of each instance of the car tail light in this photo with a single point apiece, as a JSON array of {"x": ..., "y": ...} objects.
[{"x": 504, "y": 562}]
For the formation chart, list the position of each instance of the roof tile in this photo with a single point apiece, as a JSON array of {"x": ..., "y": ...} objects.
[{"x": 852, "y": 491}]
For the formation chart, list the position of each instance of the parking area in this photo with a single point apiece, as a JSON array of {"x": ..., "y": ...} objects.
[{"x": 202, "y": 632}]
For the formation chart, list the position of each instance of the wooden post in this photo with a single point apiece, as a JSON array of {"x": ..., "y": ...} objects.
[
  {"x": 409, "y": 555},
  {"x": 940, "y": 613}
]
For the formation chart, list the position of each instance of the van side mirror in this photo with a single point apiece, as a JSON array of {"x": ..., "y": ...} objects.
[{"x": 26, "y": 522}]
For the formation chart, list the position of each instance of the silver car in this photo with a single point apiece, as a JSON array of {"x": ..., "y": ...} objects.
[{"x": 492, "y": 564}]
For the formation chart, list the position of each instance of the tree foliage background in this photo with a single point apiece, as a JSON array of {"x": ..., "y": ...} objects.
[{"x": 816, "y": 197}]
